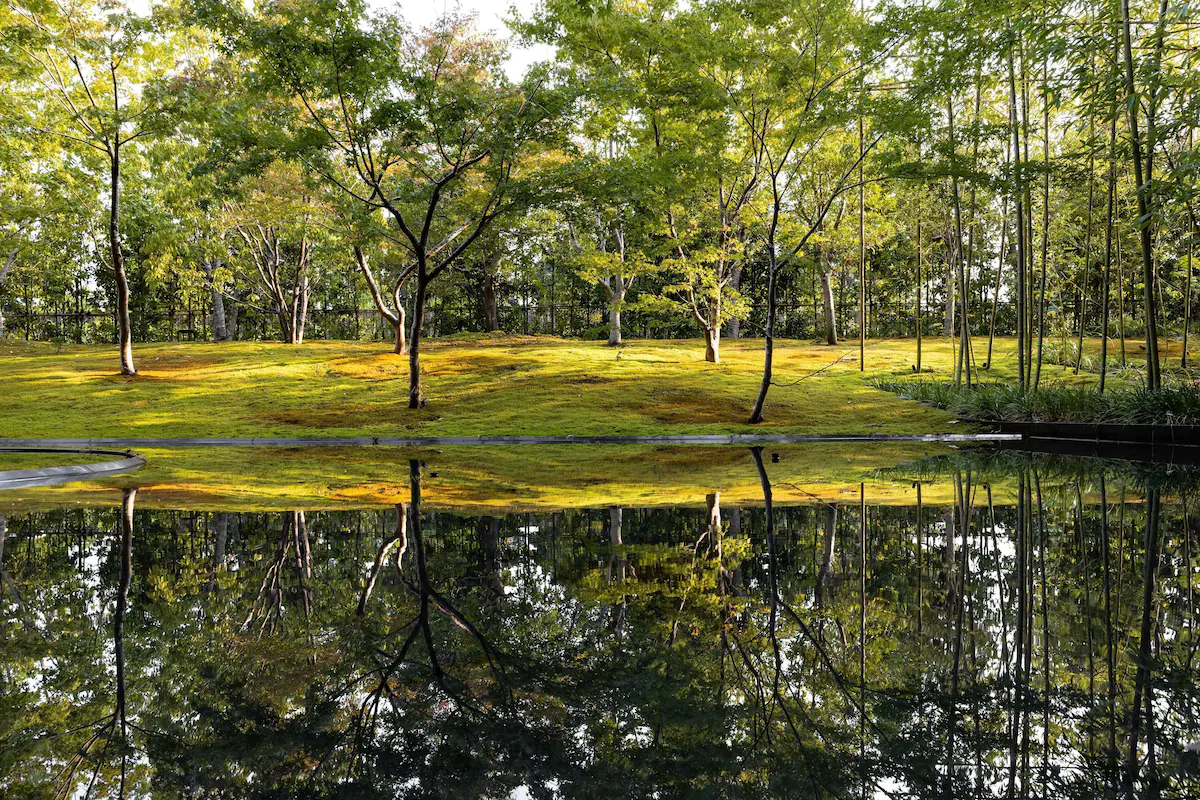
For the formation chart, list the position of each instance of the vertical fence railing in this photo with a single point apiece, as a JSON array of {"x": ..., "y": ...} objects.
[{"x": 583, "y": 320}]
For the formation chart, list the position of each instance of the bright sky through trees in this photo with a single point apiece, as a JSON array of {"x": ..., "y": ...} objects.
[{"x": 491, "y": 15}]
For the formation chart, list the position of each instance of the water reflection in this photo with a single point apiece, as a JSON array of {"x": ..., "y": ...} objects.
[{"x": 1036, "y": 648}]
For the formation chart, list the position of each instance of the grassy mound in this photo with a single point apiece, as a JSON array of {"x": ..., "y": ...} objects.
[{"x": 481, "y": 385}]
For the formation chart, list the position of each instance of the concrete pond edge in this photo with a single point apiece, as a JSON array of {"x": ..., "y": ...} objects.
[{"x": 126, "y": 462}]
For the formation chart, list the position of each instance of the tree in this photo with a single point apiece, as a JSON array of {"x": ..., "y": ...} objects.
[
  {"x": 19, "y": 210},
  {"x": 423, "y": 125},
  {"x": 806, "y": 102},
  {"x": 662, "y": 112},
  {"x": 277, "y": 220},
  {"x": 605, "y": 254},
  {"x": 192, "y": 252},
  {"x": 706, "y": 274},
  {"x": 1141, "y": 153},
  {"x": 98, "y": 79},
  {"x": 390, "y": 308}
]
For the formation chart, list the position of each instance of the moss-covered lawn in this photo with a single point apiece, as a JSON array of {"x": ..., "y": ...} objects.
[
  {"x": 477, "y": 385},
  {"x": 493, "y": 479},
  {"x": 37, "y": 460}
]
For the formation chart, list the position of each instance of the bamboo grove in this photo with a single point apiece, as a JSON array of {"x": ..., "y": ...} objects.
[{"x": 759, "y": 168}]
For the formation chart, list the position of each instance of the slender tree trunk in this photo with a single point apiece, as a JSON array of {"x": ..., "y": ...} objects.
[
  {"x": 968, "y": 348},
  {"x": 1110, "y": 202},
  {"x": 1020, "y": 221},
  {"x": 127, "y": 501},
  {"x": 862, "y": 255},
  {"x": 1082, "y": 308},
  {"x": 124, "y": 327},
  {"x": 614, "y": 311},
  {"x": 220, "y": 325},
  {"x": 1141, "y": 683},
  {"x": 1030, "y": 299},
  {"x": 712, "y": 345},
  {"x": 1121, "y": 297},
  {"x": 399, "y": 536},
  {"x": 1087, "y": 247},
  {"x": 220, "y": 330},
  {"x": 4, "y": 581},
  {"x": 8, "y": 262},
  {"x": 414, "y": 344},
  {"x": 756, "y": 415},
  {"x": 826, "y": 274},
  {"x": 285, "y": 313},
  {"x": 831, "y": 517},
  {"x": 398, "y": 334},
  {"x": 301, "y": 319},
  {"x": 491, "y": 314},
  {"x": 962, "y": 368},
  {"x": 1187, "y": 305},
  {"x": 919, "y": 310},
  {"x": 220, "y": 530},
  {"x": 1000, "y": 257},
  {"x": 1041, "y": 309},
  {"x": 1143, "y": 171},
  {"x": 232, "y": 311},
  {"x": 394, "y": 318},
  {"x": 951, "y": 284},
  {"x": 492, "y": 563},
  {"x": 733, "y": 326}
]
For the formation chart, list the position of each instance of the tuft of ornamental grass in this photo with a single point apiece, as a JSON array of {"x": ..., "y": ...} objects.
[
  {"x": 1172, "y": 405},
  {"x": 1065, "y": 354}
]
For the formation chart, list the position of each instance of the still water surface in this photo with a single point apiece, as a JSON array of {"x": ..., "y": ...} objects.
[{"x": 1031, "y": 637}]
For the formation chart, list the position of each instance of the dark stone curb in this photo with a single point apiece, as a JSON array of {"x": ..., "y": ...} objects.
[{"x": 422, "y": 441}]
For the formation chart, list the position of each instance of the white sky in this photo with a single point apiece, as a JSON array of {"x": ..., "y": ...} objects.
[
  {"x": 490, "y": 13},
  {"x": 490, "y": 16}
]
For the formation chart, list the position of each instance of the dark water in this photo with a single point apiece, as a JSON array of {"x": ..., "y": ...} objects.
[{"x": 1037, "y": 646}]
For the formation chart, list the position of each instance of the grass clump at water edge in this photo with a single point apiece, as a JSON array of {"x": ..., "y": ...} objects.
[{"x": 1173, "y": 405}]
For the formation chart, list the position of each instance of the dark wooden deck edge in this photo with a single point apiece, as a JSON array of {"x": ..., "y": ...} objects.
[
  {"x": 1161, "y": 444},
  {"x": 1158, "y": 435}
]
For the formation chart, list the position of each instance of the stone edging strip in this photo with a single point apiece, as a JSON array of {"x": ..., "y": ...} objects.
[
  {"x": 423, "y": 441},
  {"x": 50, "y": 476}
]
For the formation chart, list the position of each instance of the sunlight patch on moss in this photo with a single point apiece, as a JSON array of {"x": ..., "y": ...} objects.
[
  {"x": 519, "y": 385},
  {"x": 495, "y": 479}
]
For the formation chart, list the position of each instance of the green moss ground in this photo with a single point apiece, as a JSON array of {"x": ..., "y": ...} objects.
[
  {"x": 495, "y": 479},
  {"x": 475, "y": 385},
  {"x": 482, "y": 385},
  {"x": 12, "y": 460}
]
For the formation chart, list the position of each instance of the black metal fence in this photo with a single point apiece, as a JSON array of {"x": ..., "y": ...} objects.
[{"x": 796, "y": 320}]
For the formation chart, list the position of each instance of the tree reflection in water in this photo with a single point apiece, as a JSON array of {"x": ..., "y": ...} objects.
[{"x": 1033, "y": 639}]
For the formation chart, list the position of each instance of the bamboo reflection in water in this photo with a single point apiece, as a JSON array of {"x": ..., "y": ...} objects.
[
  {"x": 998, "y": 660},
  {"x": 1143, "y": 687}
]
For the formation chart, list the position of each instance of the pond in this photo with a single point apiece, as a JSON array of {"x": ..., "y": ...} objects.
[{"x": 974, "y": 624}]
